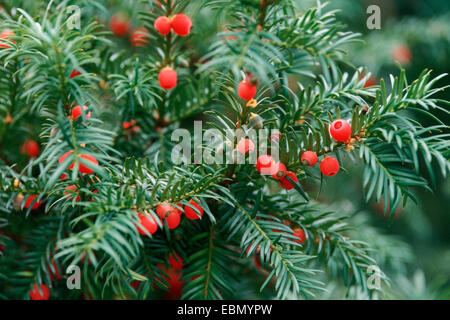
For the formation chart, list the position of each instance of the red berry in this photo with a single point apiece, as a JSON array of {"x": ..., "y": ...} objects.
[
  {"x": 173, "y": 220},
  {"x": 83, "y": 168},
  {"x": 174, "y": 281},
  {"x": 5, "y": 35},
  {"x": 147, "y": 224},
  {"x": 30, "y": 199},
  {"x": 309, "y": 158},
  {"x": 86, "y": 169},
  {"x": 139, "y": 37},
  {"x": 71, "y": 191},
  {"x": 190, "y": 212},
  {"x": 402, "y": 54},
  {"x": 56, "y": 273},
  {"x": 246, "y": 90},
  {"x": 176, "y": 262},
  {"x": 300, "y": 234},
  {"x": 162, "y": 210},
  {"x": 275, "y": 137},
  {"x": 170, "y": 213},
  {"x": 245, "y": 145},
  {"x": 36, "y": 295},
  {"x": 181, "y": 24},
  {"x": 340, "y": 130},
  {"x": 119, "y": 25},
  {"x": 285, "y": 183},
  {"x": 167, "y": 78},
  {"x": 31, "y": 148},
  {"x": 264, "y": 164},
  {"x": 371, "y": 81},
  {"x": 162, "y": 25},
  {"x": 329, "y": 166},
  {"x": 76, "y": 112},
  {"x": 278, "y": 171},
  {"x": 75, "y": 73},
  {"x": 63, "y": 157}
]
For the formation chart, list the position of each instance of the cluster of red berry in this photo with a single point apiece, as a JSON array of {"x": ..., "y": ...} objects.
[
  {"x": 181, "y": 25},
  {"x": 340, "y": 130},
  {"x": 169, "y": 214},
  {"x": 120, "y": 26}
]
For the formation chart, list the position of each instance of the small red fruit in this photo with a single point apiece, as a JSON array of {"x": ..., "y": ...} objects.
[
  {"x": 176, "y": 262},
  {"x": 402, "y": 54},
  {"x": 56, "y": 273},
  {"x": 71, "y": 191},
  {"x": 167, "y": 78},
  {"x": 173, "y": 220},
  {"x": 190, "y": 212},
  {"x": 5, "y": 35},
  {"x": 30, "y": 199},
  {"x": 147, "y": 224},
  {"x": 170, "y": 213},
  {"x": 139, "y": 37},
  {"x": 119, "y": 24},
  {"x": 371, "y": 81},
  {"x": 63, "y": 157},
  {"x": 285, "y": 183},
  {"x": 76, "y": 112},
  {"x": 36, "y": 295},
  {"x": 340, "y": 130},
  {"x": 181, "y": 24},
  {"x": 264, "y": 164},
  {"x": 245, "y": 145},
  {"x": 309, "y": 158},
  {"x": 31, "y": 148},
  {"x": 75, "y": 73},
  {"x": 278, "y": 171},
  {"x": 329, "y": 166},
  {"x": 162, "y": 25},
  {"x": 86, "y": 169},
  {"x": 82, "y": 168},
  {"x": 246, "y": 90},
  {"x": 300, "y": 234}
]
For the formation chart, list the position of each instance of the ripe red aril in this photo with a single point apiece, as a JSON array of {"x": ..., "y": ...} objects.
[
  {"x": 245, "y": 145},
  {"x": 147, "y": 224},
  {"x": 190, "y": 212},
  {"x": 139, "y": 37},
  {"x": 77, "y": 112},
  {"x": 167, "y": 78},
  {"x": 285, "y": 183},
  {"x": 162, "y": 25},
  {"x": 30, "y": 200},
  {"x": 329, "y": 166},
  {"x": 278, "y": 171},
  {"x": 246, "y": 90},
  {"x": 300, "y": 234},
  {"x": 44, "y": 293},
  {"x": 119, "y": 24},
  {"x": 181, "y": 24},
  {"x": 264, "y": 164},
  {"x": 30, "y": 148},
  {"x": 309, "y": 158},
  {"x": 340, "y": 130}
]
